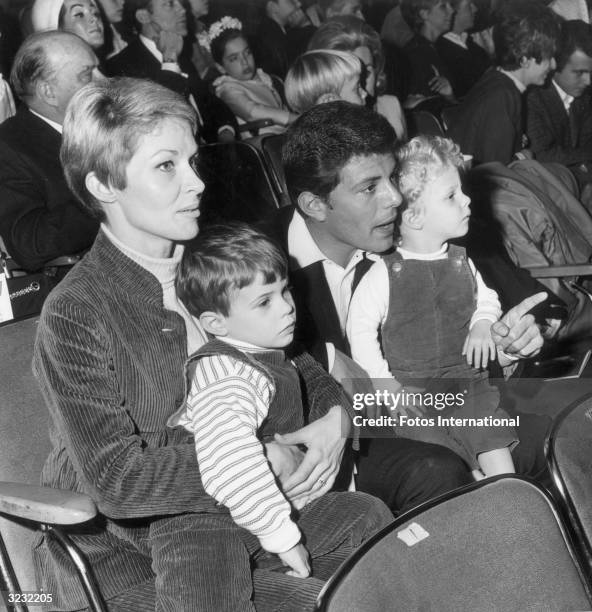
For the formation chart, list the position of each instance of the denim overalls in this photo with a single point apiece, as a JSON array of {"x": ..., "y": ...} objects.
[{"x": 430, "y": 308}]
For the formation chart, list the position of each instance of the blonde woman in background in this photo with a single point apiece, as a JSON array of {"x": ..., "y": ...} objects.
[{"x": 348, "y": 33}]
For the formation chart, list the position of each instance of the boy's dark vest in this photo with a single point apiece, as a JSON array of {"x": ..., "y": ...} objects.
[{"x": 286, "y": 413}]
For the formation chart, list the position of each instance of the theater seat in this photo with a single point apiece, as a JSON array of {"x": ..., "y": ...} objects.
[
  {"x": 423, "y": 122},
  {"x": 499, "y": 544},
  {"x": 238, "y": 183},
  {"x": 25, "y": 507}
]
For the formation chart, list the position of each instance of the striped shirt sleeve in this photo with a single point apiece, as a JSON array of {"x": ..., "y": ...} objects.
[{"x": 227, "y": 403}]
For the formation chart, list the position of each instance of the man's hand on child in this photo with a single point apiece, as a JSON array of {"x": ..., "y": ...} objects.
[
  {"x": 479, "y": 347},
  {"x": 298, "y": 559}
]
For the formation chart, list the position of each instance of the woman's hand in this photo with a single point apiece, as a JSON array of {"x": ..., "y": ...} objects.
[
  {"x": 441, "y": 85},
  {"x": 325, "y": 441}
]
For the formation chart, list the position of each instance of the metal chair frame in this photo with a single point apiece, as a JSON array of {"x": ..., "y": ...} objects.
[
  {"x": 31, "y": 507},
  {"x": 564, "y": 498}
]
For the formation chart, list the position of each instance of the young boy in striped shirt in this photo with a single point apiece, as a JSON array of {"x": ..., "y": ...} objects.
[{"x": 245, "y": 389}]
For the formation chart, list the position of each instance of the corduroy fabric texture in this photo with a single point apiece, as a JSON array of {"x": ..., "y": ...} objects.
[{"x": 109, "y": 359}]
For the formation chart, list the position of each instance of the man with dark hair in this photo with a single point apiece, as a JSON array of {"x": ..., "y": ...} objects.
[
  {"x": 155, "y": 54},
  {"x": 489, "y": 123},
  {"x": 316, "y": 155},
  {"x": 340, "y": 171},
  {"x": 40, "y": 219},
  {"x": 558, "y": 116}
]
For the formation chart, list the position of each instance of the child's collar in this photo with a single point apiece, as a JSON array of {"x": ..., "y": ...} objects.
[
  {"x": 246, "y": 346},
  {"x": 407, "y": 254}
]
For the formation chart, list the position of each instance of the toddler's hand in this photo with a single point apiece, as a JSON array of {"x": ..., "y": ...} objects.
[
  {"x": 296, "y": 558},
  {"x": 479, "y": 346}
]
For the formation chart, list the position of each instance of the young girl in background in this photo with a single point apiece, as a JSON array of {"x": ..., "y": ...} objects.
[
  {"x": 324, "y": 76},
  {"x": 422, "y": 315},
  {"x": 247, "y": 90}
]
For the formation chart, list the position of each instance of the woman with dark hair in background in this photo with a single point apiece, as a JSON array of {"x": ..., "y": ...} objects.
[
  {"x": 112, "y": 13},
  {"x": 429, "y": 81},
  {"x": 466, "y": 61},
  {"x": 81, "y": 17}
]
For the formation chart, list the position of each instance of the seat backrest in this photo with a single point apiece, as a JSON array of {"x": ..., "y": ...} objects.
[
  {"x": 24, "y": 440},
  {"x": 450, "y": 115},
  {"x": 271, "y": 145},
  {"x": 238, "y": 186},
  {"x": 570, "y": 461},
  {"x": 495, "y": 545},
  {"x": 423, "y": 122}
]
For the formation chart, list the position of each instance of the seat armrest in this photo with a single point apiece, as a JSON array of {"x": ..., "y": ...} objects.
[
  {"x": 45, "y": 505},
  {"x": 583, "y": 269},
  {"x": 63, "y": 260},
  {"x": 255, "y": 125}
]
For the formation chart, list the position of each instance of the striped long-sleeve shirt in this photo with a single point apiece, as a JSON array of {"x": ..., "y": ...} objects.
[{"x": 227, "y": 404}]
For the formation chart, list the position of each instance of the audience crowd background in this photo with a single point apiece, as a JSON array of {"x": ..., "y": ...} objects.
[{"x": 250, "y": 67}]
